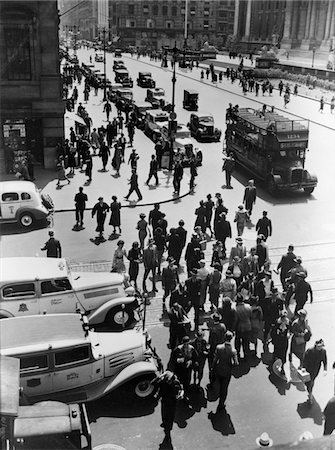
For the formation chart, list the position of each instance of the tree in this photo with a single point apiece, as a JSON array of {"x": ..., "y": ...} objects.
[{"x": 231, "y": 42}]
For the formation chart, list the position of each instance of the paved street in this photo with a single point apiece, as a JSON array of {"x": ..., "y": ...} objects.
[{"x": 256, "y": 402}]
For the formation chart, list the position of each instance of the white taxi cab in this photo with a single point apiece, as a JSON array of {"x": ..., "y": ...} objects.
[
  {"x": 30, "y": 286},
  {"x": 62, "y": 359},
  {"x": 22, "y": 202}
]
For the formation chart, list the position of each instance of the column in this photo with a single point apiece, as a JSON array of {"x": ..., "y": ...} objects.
[
  {"x": 286, "y": 41},
  {"x": 306, "y": 42},
  {"x": 247, "y": 21},
  {"x": 313, "y": 22},
  {"x": 325, "y": 44},
  {"x": 295, "y": 20},
  {"x": 236, "y": 14}
]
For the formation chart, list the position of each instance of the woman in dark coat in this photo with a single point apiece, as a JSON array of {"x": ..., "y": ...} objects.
[
  {"x": 134, "y": 260},
  {"x": 115, "y": 218},
  {"x": 174, "y": 244},
  {"x": 201, "y": 220},
  {"x": 104, "y": 154},
  {"x": 280, "y": 334}
]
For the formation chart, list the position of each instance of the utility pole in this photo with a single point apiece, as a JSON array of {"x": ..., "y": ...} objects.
[
  {"x": 104, "y": 32},
  {"x": 173, "y": 116}
]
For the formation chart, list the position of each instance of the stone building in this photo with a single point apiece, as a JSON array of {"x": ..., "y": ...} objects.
[{"x": 31, "y": 109}]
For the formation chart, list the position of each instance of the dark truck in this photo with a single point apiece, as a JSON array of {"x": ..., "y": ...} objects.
[
  {"x": 202, "y": 127},
  {"x": 271, "y": 147},
  {"x": 145, "y": 80}
]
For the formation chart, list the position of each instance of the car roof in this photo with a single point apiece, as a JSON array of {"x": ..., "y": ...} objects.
[
  {"x": 191, "y": 91},
  {"x": 183, "y": 141},
  {"x": 200, "y": 114},
  {"x": 17, "y": 185},
  {"x": 143, "y": 105},
  {"x": 252, "y": 116},
  {"x": 156, "y": 89},
  {"x": 32, "y": 268},
  {"x": 144, "y": 73},
  {"x": 40, "y": 332},
  {"x": 159, "y": 112}
]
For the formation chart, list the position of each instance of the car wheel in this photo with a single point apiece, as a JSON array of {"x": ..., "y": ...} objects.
[
  {"x": 271, "y": 185},
  {"x": 119, "y": 318},
  {"x": 309, "y": 190},
  {"x": 26, "y": 220},
  {"x": 143, "y": 387}
]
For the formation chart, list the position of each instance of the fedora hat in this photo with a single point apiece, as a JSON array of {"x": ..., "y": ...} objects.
[{"x": 264, "y": 440}]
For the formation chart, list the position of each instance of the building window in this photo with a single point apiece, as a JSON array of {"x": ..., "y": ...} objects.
[
  {"x": 155, "y": 9},
  {"x": 206, "y": 23},
  {"x": 145, "y": 9},
  {"x": 192, "y": 11},
  {"x": 222, "y": 13},
  {"x": 150, "y": 23},
  {"x": 169, "y": 24},
  {"x": 130, "y": 23},
  {"x": 131, "y": 10},
  {"x": 15, "y": 51},
  {"x": 174, "y": 11},
  {"x": 206, "y": 11},
  {"x": 164, "y": 10}
]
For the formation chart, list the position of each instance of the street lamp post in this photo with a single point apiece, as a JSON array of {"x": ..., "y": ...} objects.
[
  {"x": 173, "y": 115},
  {"x": 104, "y": 32},
  {"x": 313, "y": 50}
]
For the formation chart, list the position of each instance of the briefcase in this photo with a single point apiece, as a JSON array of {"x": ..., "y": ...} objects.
[{"x": 304, "y": 375}]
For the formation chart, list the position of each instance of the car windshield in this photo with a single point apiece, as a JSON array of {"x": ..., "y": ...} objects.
[
  {"x": 159, "y": 94},
  {"x": 161, "y": 119},
  {"x": 206, "y": 119}
]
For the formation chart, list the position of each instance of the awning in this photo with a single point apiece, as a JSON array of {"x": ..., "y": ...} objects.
[{"x": 74, "y": 118}]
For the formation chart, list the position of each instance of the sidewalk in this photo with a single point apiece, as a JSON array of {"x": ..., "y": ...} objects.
[{"x": 106, "y": 184}]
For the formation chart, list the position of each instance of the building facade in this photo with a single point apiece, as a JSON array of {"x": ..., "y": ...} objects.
[{"x": 32, "y": 109}]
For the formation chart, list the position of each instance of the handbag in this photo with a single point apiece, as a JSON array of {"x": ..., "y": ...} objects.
[{"x": 304, "y": 375}]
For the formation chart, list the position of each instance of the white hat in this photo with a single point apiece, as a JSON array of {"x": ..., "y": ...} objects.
[{"x": 264, "y": 440}]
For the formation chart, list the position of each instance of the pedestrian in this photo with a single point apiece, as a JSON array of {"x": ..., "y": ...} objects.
[
  {"x": 239, "y": 250},
  {"x": 89, "y": 166},
  {"x": 301, "y": 333},
  {"x": 115, "y": 218},
  {"x": 202, "y": 74},
  {"x": 150, "y": 260},
  {"x": 117, "y": 158},
  {"x": 264, "y": 226},
  {"x": 100, "y": 209},
  {"x": 228, "y": 286},
  {"x": 332, "y": 104},
  {"x": 322, "y": 104},
  {"x": 193, "y": 173},
  {"x": 201, "y": 347},
  {"x": 118, "y": 258},
  {"x": 80, "y": 200},
  {"x": 182, "y": 234},
  {"x": 52, "y": 246},
  {"x": 249, "y": 198},
  {"x": 178, "y": 173},
  {"x": 301, "y": 291},
  {"x": 153, "y": 170},
  {"x": 193, "y": 287},
  {"x": 159, "y": 152},
  {"x": 133, "y": 182},
  {"x": 143, "y": 231},
  {"x": 203, "y": 275},
  {"x": 107, "y": 109},
  {"x": 214, "y": 286},
  {"x": 170, "y": 279},
  {"x": 169, "y": 391},
  {"x": 104, "y": 153},
  {"x": 243, "y": 327},
  {"x": 109, "y": 134},
  {"x": 178, "y": 319},
  {"x": 329, "y": 415},
  {"x": 209, "y": 205},
  {"x": 223, "y": 231},
  {"x": 72, "y": 159},
  {"x": 184, "y": 357},
  {"x": 217, "y": 332},
  {"x": 160, "y": 242},
  {"x": 295, "y": 89},
  {"x": 280, "y": 87},
  {"x": 200, "y": 212},
  {"x": 131, "y": 131},
  {"x": 173, "y": 244},
  {"x": 314, "y": 357},
  {"x": 286, "y": 263},
  {"x": 61, "y": 175},
  {"x": 241, "y": 219},
  {"x": 207, "y": 73},
  {"x": 280, "y": 334},
  {"x": 154, "y": 216},
  {"x": 133, "y": 158},
  {"x": 228, "y": 167},
  {"x": 225, "y": 358},
  {"x": 256, "y": 322},
  {"x": 250, "y": 263},
  {"x": 271, "y": 312},
  {"x": 134, "y": 256},
  {"x": 220, "y": 208},
  {"x": 286, "y": 99}
]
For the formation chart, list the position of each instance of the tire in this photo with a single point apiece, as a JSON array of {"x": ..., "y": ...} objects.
[
  {"x": 308, "y": 190},
  {"x": 26, "y": 220},
  {"x": 115, "y": 316},
  {"x": 143, "y": 387},
  {"x": 271, "y": 186}
]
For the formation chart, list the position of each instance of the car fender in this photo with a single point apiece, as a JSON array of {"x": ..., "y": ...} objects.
[
  {"x": 312, "y": 177},
  {"x": 276, "y": 179},
  {"x": 99, "y": 315},
  {"x": 6, "y": 314},
  {"x": 131, "y": 372},
  {"x": 32, "y": 211}
]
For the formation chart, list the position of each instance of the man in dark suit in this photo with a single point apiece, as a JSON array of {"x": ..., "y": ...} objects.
[
  {"x": 150, "y": 260},
  {"x": 264, "y": 226},
  {"x": 53, "y": 247},
  {"x": 80, "y": 202},
  {"x": 182, "y": 233},
  {"x": 249, "y": 198}
]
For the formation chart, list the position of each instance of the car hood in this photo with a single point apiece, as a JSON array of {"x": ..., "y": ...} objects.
[
  {"x": 120, "y": 342},
  {"x": 82, "y": 280}
]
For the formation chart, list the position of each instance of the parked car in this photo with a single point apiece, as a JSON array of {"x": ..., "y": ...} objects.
[
  {"x": 185, "y": 151},
  {"x": 30, "y": 286},
  {"x": 51, "y": 423},
  {"x": 190, "y": 101},
  {"x": 154, "y": 120},
  {"x": 122, "y": 76},
  {"x": 155, "y": 96},
  {"x": 118, "y": 53},
  {"x": 23, "y": 203},
  {"x": 118, "y": 65},
  {"x": 62, "y": 359},
  {"x": 182, "y": 131},
  {"x": 140, "y": 110},
  {"x": 112, "y": 91},
  {"x": 123, "y": 98},
  {"x": 99, "y": 57},
  {"x": 145, "y": 80},
  {"x": 202, "y": 127}
]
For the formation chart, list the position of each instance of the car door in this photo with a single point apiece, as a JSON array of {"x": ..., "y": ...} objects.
[
  {"x": 10, "y": 203},
  {"x": 57, "y": 296},
  {"x": 20, "y": 299},
  {"x": 35, "y": 374},
  {"x": 75, "y": 367}
]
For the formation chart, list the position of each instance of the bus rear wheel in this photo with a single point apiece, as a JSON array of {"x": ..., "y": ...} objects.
[{"x": 308, "y": 190}]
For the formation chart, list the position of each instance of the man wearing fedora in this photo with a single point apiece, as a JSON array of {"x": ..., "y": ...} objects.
[
  {"x": 52, "y": 246},
  {"x": 150, "y": 261},
  {"x": 314, "y": 357},
  {"x": 264, "y": 441},
  {"x": 170, "y": 279},
  {"x": 217, "y": 334},
  {"x": 133, "y": 182},
  {"x": 249, "y": 198},
  {"x": 177, "y": 316},
  {"x": 184, "y": 357},
  {"x": 193, "y": 287},
  {"x": 225, "y": 358},
  {"x": 302, "y": 289},
  {"x": 100, "y": 209},
  {"x": 264, "y": 226},
  {"x": 238, "y": 250}
]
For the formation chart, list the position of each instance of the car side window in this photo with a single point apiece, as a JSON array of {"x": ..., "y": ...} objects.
[
  {"x": 25, "y": 196},
  {"x": 57, "y": 285},
  {"x": 33, "y": 363},
  {"x": 10, "y": 197},
  {"x": 74, "y": 355},
  {"x": 18, "y": 290}
]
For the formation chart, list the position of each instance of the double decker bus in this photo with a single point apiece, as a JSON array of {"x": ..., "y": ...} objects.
[{"x": 271, "y": 147}]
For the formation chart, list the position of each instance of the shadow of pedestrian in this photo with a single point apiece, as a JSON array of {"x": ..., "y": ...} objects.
[
  {"x": 183, "y": 412},
  {"x": 242, "y": 369},
  {"x": 197, "y": 398},
  {"x": 166, "y": 444},
  {"x": 98, "y": 240},
  {"x": 113, "y": 236},
  {"x": 213, "y": 392},
  {"x": 281, "y": 384},
  {"x": 267, "y": 357},
  {"x": 294, "y": 379},
  {"x": 221, "y": 422},
  {"x": 78, "y": 228},
  {"x": 313, "y": 411}
]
